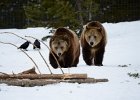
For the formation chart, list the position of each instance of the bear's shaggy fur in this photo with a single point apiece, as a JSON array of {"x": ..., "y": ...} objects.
[
  {"x": 93, "y": 42},
  {"x": 65, "y": 46}
]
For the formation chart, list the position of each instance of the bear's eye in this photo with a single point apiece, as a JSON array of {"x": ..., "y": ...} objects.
[
  {"x": 89, "y": 37},
  {"x": 61, "y": 47},
  {"x": 56, "y": 47},
  {"x": 95, "y": 37}
]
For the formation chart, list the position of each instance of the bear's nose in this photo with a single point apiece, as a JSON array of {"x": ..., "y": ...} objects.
[
  {"x": 91, "y": 43},
  {"x": 59, "y": 54}
]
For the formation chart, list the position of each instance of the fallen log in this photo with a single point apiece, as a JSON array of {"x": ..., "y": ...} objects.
[
  {"x": 42, "y": 82},
  {"x": 30, "y": 78},
  {"x": 43, "y": 76}
]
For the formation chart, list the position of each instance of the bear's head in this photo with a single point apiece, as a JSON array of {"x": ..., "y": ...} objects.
[
  {"x": 59, "y": 44},
  {"x": 93, "y": 34}
]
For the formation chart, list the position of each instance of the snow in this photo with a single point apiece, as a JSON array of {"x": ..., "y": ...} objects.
[{"x": 122, "y": 49}]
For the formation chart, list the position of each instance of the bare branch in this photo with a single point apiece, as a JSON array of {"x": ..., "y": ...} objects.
[
  {"x": 4, "y": 73},
  {"x": 13, "y": 34},
  {"x": 24, "y": 53},
  {"x": 49, "y": 50},
  {"x": 45, "y": 62},
  {"x": 31, "y": 43}
]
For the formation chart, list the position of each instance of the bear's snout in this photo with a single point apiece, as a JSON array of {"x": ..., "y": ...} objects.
[
  {"x": 91, "y": 43},
  {"x": 59, "y": 54}
]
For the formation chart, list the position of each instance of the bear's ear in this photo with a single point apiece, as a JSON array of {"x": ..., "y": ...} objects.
[
  {"x": 99, "y": 29},
  {"x": 66, "y": 37},
  {"x": 85, "y": 27},
  {"x": 52, "y": 38}
]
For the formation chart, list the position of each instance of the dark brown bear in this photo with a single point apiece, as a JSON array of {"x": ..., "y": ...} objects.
[
  {"x": 65, "y": 46},
  {"x": 93, "y": 42}
]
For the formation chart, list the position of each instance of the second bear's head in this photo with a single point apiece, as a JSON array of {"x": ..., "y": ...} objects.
[{"x": 93, "y": 33}]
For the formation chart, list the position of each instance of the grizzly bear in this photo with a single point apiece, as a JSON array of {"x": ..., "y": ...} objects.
[
  {"x": 65, "y": 46},
  {"x": 93, "y": 41}
]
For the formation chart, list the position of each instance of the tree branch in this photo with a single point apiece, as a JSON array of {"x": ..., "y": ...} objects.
[
  {"x": 24, "y": 53},
  {"x": 50, "y": 51},
  {"x": 32, "y": 44}
]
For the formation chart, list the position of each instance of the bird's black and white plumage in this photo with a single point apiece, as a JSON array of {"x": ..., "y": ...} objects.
[
  {"x": 24, "y": 45},
  {"x": 36, "y": 44}
]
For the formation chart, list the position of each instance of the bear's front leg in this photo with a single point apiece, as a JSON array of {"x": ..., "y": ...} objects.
[
  {"x": 75, "y": 62},
  {"x": 87, "y": 56},
  {"x": 68, "y": 61},
  {"x": 99, "y": 57},
  {"x": 53, "y": 61}
]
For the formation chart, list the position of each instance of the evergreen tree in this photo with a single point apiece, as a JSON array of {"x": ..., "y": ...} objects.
[
  {"x": 65, "y": 13},
  {"x": 61, "y": 13},
  {"x": 54, "y": 13}
]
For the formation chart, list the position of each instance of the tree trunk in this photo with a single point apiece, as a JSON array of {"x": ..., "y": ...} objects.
[
  {"x": 78, "y": 3},
  {"x": 89, "y": 12}
]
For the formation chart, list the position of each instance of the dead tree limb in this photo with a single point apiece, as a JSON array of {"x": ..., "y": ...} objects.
[
  {"x": 24, "y": 53},
  {"x": 45, "y": 62},
  {"x": 30, "y": 80},
  {"x": 32, "y": 44},
  {"x": 50, "y": 51},
  {"x": 4, "y": 73},
  {"x": 14, "y": 34},
  {"x": 44, "y": 76},
  {"x": 42, "y": 82}
]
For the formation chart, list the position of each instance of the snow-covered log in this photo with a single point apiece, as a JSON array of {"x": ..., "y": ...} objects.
[
  {"x": 42, "y": 82},
  {"x": 43, "y": 76},
  {"x": 27, "y": 80}
]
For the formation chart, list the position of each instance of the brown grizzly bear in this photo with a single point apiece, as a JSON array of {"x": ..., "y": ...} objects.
[
  {"x": 93, "y": 42},
  {"x": 66, "y": 47}
]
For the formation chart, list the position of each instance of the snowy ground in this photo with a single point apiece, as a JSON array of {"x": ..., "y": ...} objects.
[{"x": 122, "y": 49}]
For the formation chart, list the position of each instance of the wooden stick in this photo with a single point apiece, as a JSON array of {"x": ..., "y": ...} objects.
[
  {"x": 43, "y": 76},
  {"x": 4, "y": 73},
  {"x": 42, "y": 82},
  {"x": 14, "y": 34},
  {"x": 42, "y": 56},
  {"x": 51, "y": 53},
  {"x": 32, "y": 44},
  {"x": 24, "y": 53}
]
